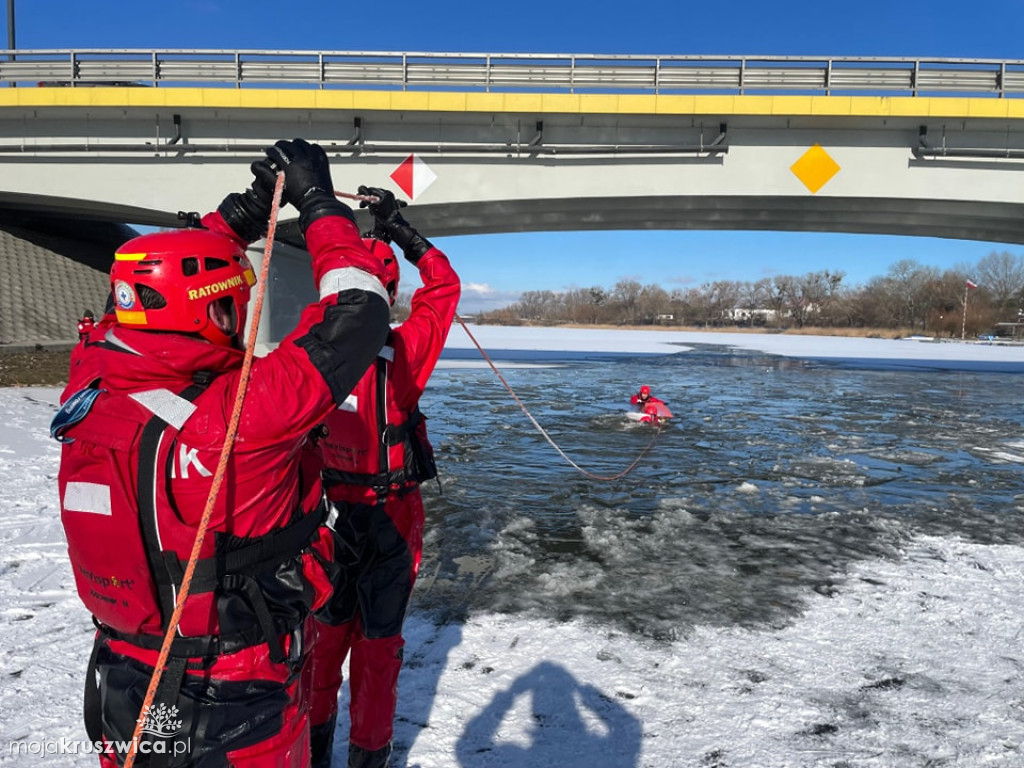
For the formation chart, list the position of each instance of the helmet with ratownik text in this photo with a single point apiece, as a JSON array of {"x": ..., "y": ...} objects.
[{"x": 189, "y": 281}]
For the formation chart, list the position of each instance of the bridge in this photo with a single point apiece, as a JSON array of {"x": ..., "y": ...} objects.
[{"x": 515, "y": 143}]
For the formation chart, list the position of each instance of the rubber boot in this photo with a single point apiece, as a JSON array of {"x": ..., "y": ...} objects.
[
  {"x": 321, "y": 743},
  {"x": 368, "y": 758}
]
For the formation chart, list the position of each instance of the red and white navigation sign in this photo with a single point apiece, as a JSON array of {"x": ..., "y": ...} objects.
[{"x": 413, "y": 177}]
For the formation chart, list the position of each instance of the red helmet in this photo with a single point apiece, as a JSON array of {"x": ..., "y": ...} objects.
[
  {"x": 645, "y": 390},
  {"x": 167, "y": 281},
  {"x": 384, "y": 251}
]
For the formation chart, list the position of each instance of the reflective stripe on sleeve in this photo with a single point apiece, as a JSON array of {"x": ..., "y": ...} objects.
[{"x": 348, "y": 278}]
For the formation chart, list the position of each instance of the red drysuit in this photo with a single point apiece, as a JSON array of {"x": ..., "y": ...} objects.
[
  {"x": 378, "y": 517},
  {"x": 647, "y": 404},
  {"x": 135, "y": 476}
]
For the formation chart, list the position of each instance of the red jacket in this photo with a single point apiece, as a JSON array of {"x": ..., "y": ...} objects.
[
  {"x": 635, "y": 400},
  {"x": 351, "y": 446},
  {"x": 85, "y": 325},
  {"x": 103, "y": 471}
]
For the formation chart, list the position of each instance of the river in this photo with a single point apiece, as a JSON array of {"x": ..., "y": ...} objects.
[{"x": 775, "y": 476}]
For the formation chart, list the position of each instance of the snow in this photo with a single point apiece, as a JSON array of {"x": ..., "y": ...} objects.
[
  {"x": 908, "y": 353},
  {"x": 915, "y": 661}
]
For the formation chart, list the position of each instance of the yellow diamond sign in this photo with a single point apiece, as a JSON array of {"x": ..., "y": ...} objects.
[{"x": 815, "y": 168}]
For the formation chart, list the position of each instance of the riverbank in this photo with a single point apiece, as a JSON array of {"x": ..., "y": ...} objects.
[
  {"x": 40, "y": 367},
  {"x": 47, "y": 366}
]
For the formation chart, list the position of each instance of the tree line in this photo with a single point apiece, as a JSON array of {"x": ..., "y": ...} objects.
[{"x": 909, "y": 296}]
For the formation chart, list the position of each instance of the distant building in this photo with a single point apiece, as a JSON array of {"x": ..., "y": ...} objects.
[
  {"x": 752, "y": 316},
  {"x": 1013, "y": 330}
]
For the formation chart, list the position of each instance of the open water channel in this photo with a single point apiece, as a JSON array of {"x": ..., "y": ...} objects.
[{"x": 775, "y": 476}]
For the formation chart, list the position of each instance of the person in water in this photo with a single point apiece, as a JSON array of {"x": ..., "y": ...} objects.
[{"x": 647, "y": 404}]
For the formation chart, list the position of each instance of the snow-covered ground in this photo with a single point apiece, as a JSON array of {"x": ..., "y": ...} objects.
[
  {"x": 913, "y": 661},
  {"x": 907, "y": 353}
]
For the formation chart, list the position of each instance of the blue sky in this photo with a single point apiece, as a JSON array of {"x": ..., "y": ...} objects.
[{"x": 495, "y": 268}]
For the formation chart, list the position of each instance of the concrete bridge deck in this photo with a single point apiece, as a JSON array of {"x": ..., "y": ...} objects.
[{"x": 530, "y": 143}]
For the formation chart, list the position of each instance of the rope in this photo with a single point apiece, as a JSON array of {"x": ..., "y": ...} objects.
[
  {"x": 592, "y": 476},
  {"x": 353, "y": 196},
  {"x": 218, "y": 478}
]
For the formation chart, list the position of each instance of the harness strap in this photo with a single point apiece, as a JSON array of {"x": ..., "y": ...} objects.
[
  {"x": 381, "y": 486},
  {"x": 247, "y": 556},
  {"x": 196, "y": 647},
  {"x": 332, "y": 477},
  {"x": 93, "y": 701},
  {"x": 170, "y": 686},
  {"x": 247, "y": 586},
  {"x": 211, "y": 646},
  {"x": 397, "y": 433},
  {"x": 149, "y": 450}
]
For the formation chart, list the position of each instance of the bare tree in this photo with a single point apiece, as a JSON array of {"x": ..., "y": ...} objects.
[
  {"x": 756, "y": 295},
  {"x": 583, "y": 305},
  {"x": 539, "y": 305},
  {"x": 625, "y": 295},
  {"x": 652, "y": 302},
  {"x": 1002, "y": 276},
  {"x": 908, "y": 295},
  {"x": 907, "y": 280},
  {"x": 783, "y": 296},
  {"x": 723, "y": 298}
]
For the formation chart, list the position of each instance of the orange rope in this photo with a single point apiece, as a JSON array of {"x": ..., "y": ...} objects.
[
  {"x": 604, "y": 478},
  {"x": 218, "y": 478},
  {"x": 352, "y": 196}
]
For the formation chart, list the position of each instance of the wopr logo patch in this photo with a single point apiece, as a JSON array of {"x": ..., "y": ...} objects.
[{"x": 124, "y": 294}]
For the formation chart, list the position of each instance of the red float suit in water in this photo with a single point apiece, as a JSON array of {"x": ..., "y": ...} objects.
[{"x": 648, "y": 404}]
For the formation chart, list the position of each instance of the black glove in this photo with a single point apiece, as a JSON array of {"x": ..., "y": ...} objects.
[
  {"x": 248, "y": 213},
  {"x": 385, "y": 206},
  {"x": 390, "y": 225},
  {"x": 307, "y": 181}
]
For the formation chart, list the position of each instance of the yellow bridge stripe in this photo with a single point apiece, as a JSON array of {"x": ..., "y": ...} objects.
[{"x": 646, "y": 104}]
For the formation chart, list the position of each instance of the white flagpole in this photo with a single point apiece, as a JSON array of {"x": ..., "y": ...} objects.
[{"x": 963, "y": 326}]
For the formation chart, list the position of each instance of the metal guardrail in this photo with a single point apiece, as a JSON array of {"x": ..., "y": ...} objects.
[{"x": 503, "y": 73}]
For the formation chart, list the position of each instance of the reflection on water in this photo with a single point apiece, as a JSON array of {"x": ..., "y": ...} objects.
[{"x": 774, "y": 476}]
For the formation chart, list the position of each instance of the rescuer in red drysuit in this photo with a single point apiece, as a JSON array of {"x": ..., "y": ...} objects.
[
  {"x": 647, "y": 404},
  {"x": 377, "y": 510},
  {"x": 86, "y": 324},
  {"x": 143, "y": 422}
]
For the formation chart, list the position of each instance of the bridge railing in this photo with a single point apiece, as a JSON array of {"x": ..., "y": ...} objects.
[{"x": 546, "y": 73}]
